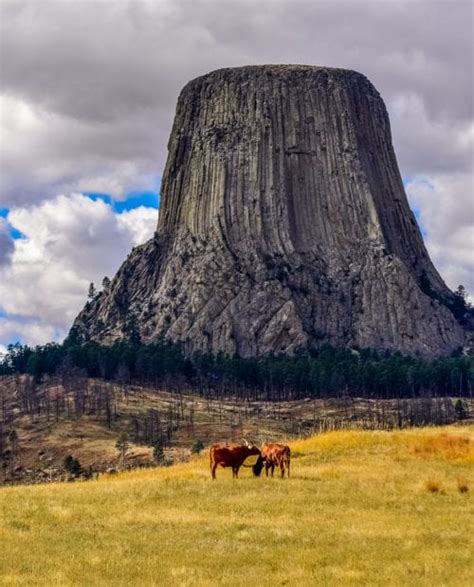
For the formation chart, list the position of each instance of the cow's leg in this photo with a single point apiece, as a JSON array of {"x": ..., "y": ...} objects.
[
  {"x": 288, "y": 468},
  {"x": 267, "y": 466},
  {"x": 236, "y": 472},
  {"x": 282, "y": 469},
  {"x": 213, "y": 470},
  {"x": 273, "y": 468}
]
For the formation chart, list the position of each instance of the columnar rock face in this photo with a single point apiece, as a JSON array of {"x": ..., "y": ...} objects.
[{"x": 283, "y": 224}]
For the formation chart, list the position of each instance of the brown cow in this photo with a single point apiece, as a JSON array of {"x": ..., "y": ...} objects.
[
  {"x": 276, "y": 455},
  {"x": 232, "y": 455}
]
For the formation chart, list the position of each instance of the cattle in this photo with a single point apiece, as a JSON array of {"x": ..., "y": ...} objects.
[
  {"x": 276, "y": 455},
  {"x": 233, "y": 456}
]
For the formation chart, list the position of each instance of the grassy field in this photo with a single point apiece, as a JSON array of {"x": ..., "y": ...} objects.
[{"x": 360, "y": 508}]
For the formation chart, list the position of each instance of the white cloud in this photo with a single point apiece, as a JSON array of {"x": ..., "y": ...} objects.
[
  {"x": 68, "y": 242},
  {"x": 137, "y": 223},
  {"x": 446, "y": 206}
]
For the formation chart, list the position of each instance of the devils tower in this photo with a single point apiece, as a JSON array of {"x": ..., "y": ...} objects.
[{"x": 283, "y": 224}]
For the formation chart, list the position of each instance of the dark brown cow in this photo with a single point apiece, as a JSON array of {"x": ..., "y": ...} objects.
[
  {"x": 276, "y": 455},
  {"x": 232, "y": 455}
]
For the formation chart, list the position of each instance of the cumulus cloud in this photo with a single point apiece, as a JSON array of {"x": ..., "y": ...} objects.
[
  {"x": 139, "y": 223},
  {"x": 68, "y": 242}
]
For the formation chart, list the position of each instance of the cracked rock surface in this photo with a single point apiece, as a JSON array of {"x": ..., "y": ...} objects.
[{"x": 283, "y": 224}]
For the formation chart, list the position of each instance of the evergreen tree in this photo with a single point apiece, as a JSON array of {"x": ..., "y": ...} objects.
[
  {"x": 461, "y": 410},
  {"x": 13, "y": 439},
  {"x": 72, "y": 465},
  {"x": 197, "y": 447},
  {"x": 92, "y": 291},
  {"x": 159, "y": 453},
  {"x": 132, "y": 330}
]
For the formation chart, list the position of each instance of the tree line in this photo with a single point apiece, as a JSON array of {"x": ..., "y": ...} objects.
[{"x": 323, "y": 373}]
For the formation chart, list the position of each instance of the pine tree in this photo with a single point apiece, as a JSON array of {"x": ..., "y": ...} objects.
[
  {"x": 159, "y": 453},
  {"x": 13, "y": 439},
  {"x": 461, "y": 410},
  {"x": 72, "y": 465},
  {"x": 197, "y": 447}
]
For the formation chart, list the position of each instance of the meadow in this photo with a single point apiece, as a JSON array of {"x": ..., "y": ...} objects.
[{"x": 361, "y": 507}]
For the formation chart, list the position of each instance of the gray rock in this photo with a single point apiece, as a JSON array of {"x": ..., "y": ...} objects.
[{"x": 283, "y": 223}]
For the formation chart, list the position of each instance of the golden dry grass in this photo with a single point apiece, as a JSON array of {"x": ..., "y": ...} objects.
[{"x": 355, "y": 512}]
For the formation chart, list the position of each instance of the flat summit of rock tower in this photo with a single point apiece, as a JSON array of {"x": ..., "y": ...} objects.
[{"x": 283, "y": 225}]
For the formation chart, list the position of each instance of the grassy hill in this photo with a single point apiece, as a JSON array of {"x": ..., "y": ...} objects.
[{"x": 360, "y": 508}]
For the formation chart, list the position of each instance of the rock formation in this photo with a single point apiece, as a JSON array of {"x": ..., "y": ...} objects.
[{"x": 283, "y": 224}]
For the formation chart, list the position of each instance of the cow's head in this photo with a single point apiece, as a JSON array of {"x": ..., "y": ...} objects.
[
  {"x": 257, "y": 468},
  {"x": 252, "y": 448}
]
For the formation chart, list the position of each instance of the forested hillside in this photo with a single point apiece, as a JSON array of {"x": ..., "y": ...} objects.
[{"x": 327, "y": 372}]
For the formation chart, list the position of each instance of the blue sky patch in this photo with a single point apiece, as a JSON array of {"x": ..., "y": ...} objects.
[
  {"x": 417, "y": 214},
  {"x": 15, "y": 233},
  {"x": 12, "y": 231},
  {"x": 406, "y": 182},
  {"x": 135, "y": 199}
]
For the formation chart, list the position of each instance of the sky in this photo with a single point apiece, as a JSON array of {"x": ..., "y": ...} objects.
[{"x": 88, "y": 92}]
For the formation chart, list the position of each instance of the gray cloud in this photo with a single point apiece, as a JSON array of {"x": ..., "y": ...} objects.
[
  {"x": 6, "y": 243},
  {"x": 104, "y": 77}
]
